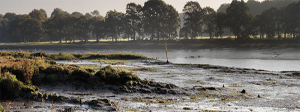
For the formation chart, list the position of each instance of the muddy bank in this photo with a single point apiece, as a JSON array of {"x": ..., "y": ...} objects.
[
  {"x": 183, "y": 44},
  {"x": 177, "y": 87}
]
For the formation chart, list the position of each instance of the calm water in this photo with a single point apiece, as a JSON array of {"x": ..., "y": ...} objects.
[{"x": 273, "y": 60}]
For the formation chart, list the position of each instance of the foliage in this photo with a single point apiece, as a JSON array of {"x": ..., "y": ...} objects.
[
  {"x": 11, "y": 87},
  {"x": 1, "y": 108},
  {"x": 193, "y": 17},
  {"x": 101, "y": 101},
  {"x": 62, "y": 56},
  {"x": 80, "y": 75},
  {"x": 238, "y": 18},
  {"x": 112, "y": 76},
  {"x": 117, "y": 55},
  {"x": 51, "y": 78},
  {"x": 155, "y": 20}
]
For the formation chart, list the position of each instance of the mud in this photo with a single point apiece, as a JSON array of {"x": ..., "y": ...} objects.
[{"x": 177, "y": 87}]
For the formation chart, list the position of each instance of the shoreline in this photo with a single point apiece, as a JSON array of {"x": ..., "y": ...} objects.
[
  {"x": 139, "y": 45},
  {"x": 120, "y": 86},
  {"x": 192, "y": 90}
]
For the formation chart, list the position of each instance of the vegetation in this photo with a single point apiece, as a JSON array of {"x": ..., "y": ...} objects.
[
  {"x": 11, "y": 87},
  {"x": 20, "y": 70},
  {"x": 1, "y": 108},
  {"x": 101, "y": 101},
  {"x": 70, "y": 56},
  {"x": 110, "y": 75},
  {"x": 156, "y": 20}
]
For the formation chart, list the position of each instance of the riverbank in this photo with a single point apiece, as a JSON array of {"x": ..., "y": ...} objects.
[
  {"x": 155, "y": 85},
  {"x": 183, "y": 44}
]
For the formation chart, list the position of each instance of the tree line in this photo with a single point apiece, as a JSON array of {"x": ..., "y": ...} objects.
[
  {"x": 156, "y": 20},
  {"x": 271, "y": 23}
]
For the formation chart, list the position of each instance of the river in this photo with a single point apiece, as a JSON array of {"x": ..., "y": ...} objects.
[{"x": 266, "y": 59}]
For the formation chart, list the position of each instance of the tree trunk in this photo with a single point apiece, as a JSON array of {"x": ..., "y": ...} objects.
[
  {"x": 284, "y": 35},
  {"x": 97, "y": 39},
  {"x": 134, "y": 34},
  {"x": 157, "y": 35}
]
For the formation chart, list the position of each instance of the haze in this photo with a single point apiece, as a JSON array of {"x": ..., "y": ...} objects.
[{"x": 83, "y": 6}]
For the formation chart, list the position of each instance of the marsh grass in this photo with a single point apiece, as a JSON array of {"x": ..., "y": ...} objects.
[
  {"x": 1, "y": 108},
  {"x": 19, "y": 70},
  {"x": 116, "y": 77},
  {"x": 111, "y": 56},
  {"x": 11, "y": 87},
  {"x": 110, "y": 61},
  {"x": 71, "y": 56}
]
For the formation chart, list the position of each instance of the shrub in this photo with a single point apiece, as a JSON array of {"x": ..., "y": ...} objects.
[
  {"x": 52, "y": 62},
  {"x": 1, "y": 108},
  {"x": 55, "y": 70},
  {"x": 101, "y": 101},
  {"x": 37, "y": 79},
  {"x": 22, "y": 74},
  {"x": 51, "y": 78},
  {"x": 10, "y": 87},
  {"x": 62, "y": 56},
  {"x": 81, "y": 75},
  {"x": 111, "y": 76},
  {"x": 101, "y": 75},
  {"x": 39, "y": 54}
]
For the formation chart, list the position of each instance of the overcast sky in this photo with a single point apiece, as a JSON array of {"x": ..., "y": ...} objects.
[{"x": 83, "y": 6}]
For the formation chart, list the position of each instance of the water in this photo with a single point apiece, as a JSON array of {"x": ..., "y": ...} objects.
[
  {"x": 273, "y": 60},
  {"x": 267, "y": 59}
]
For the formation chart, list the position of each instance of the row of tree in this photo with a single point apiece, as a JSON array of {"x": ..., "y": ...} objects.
[
  {"x": 155, "y": 20},
  {"x": 257, "y": 7},
  {"x": 271, "y": 23}
]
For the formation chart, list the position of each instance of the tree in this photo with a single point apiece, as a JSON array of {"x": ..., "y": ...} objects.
[
  {"x": 99, "y": 28},
  {"x": 57, "y": 29},
  {"x": 57, "y": 11},
  {"x": 154, "y": 13},
  {"x": 15, "y": 29},
  {"x": 291, "y": 19},
  {"x": 83, "y": 28},
  {"x": 193, "y": 17},
  {"x": 38, "y": 15},
  {"x": 77, "y": 14},
  {"x": 44, "y": 13},
  {"x": 184, "y": 32},
  {"x": 238, "y": 18},
  {"x": 268, "y": 22},
  {"x": 95, "y": 13},
  {"x": 172, "y": 22},
  {"x": 220, "y": 24},
  {"x": 3, "y": 29},
  {"x": 113, "y": 24},
  {"x": 132, "y": 19},
  {"x": 10, "y": 16},
  {"x": 209, "y": 21},
  {"x": 32, "y": 30}
]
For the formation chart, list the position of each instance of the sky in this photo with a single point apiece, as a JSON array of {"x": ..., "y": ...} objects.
[{"x": 84, "y": 6}]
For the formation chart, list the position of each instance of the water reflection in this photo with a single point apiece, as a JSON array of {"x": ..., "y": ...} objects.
[{"x": 271, "y": 59}]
